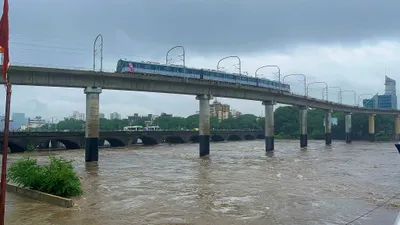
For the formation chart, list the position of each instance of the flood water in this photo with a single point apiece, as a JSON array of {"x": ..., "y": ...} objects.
[{"x": 238, "y": 184}]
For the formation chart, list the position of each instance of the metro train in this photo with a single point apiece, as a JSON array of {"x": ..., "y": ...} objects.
[{"x": 124, "y": 66}]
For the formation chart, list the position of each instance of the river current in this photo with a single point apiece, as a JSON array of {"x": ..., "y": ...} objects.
[{"x": 237, "y": 184}]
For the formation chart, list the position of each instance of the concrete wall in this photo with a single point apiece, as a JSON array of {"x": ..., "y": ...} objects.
[{"x": 41, "y": 196}]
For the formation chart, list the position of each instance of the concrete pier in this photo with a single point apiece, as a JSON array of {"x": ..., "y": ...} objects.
[
  {"x": 347, "y": 124},
  {"x": 269, "y": 125},
  {"x": 204, "y": 124},
  {"x": 303, "y": 127},
  {"x": 92, "y": 125},
  {"x": 328, "y": 127},
  {"x": 371, "y": 123},
  {"x": 397, "y": 127}
]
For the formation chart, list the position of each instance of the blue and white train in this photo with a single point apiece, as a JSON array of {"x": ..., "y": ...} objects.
[{"x": 204, "y": 74}]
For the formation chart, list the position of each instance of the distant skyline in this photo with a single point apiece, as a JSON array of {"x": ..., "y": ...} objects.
[{"x": 346, "y": 46}]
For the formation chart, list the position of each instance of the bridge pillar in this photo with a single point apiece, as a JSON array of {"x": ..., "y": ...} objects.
[
  {"x": 204, "y": 124},
  {"x": 269, "y": 125},
  {"x": 92, "y": 125},
  {"x": 328, "y": 127},
  {"x": 347, "y": 124},
  {"x": 303, "y": 127},
  {"x": 397, "y": 127},
  {"x": 372, "y": 127}
]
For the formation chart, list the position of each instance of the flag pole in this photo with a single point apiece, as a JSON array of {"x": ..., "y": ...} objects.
[
  {"x": 5, "y": 151},
  {"x": 4, "y": 48}
]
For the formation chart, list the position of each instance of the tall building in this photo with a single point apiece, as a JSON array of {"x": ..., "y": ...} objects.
[
  {"x": 115, "y": 116},
  {"x": 19, "y": 119},
  {"x": 102, "y": 116},
  {"x": 219, "y": 110},
  {"x": 385, "y": 101},
  {"x": 38, "y": 121},
  {"x": 78, "y": 116}
]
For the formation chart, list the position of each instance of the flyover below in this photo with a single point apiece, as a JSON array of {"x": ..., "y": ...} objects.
[{"x": 19, "y": 141}]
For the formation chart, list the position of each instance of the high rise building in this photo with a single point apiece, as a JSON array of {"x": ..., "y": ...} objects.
[
  {"x": 38, "y": 121},
  {"x": 115, "y": 116},
  {"x": 19, "y": 119},
  {"x": 102, "y": 116},
  {"x": 219, "y": 110},
  {"x": 385, "y": 101},
  {"x": 78, "y": 116}
]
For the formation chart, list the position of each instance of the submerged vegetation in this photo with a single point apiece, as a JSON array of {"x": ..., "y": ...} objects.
[{"x": 58, "y": 177}]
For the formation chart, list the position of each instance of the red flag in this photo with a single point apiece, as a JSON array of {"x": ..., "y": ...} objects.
[{"x": 4, "y": 37}]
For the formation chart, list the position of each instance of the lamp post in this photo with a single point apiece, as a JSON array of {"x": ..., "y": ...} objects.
[
  {"x": 354, "y": 95},
  {"x": 359, "y": 97},
  {"x": 232, "y": 56},
  {"x": 183, "y": 55},
  {"x": 298, "y": 74},
  {"x": 265, "y": 66},
  {"x": 95, "y": 53},
  {"x": 339, "y": 95},
  {"x": 319, "y": 82}
]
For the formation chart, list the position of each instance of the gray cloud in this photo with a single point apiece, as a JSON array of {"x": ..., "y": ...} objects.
[
  {"x": 61, "y": 33},
  {"x": 219, "y": 26}
]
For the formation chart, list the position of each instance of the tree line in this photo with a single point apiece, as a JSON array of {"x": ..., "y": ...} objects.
[{"x": 286, "y": 124}]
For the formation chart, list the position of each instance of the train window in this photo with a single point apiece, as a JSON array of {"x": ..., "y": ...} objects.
[{"x": 206, "y": 73}]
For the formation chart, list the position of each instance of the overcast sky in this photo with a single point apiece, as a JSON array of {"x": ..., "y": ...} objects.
[{"x": 344, "y": 43}]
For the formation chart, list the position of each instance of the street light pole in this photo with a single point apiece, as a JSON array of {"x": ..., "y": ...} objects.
[
  {"x": 95, "y": 53},
  {"x": 232, "y": 56},
  {"x": 319, "y": 82},
  {"x": 265, "y": 66},
  {"x": 297, "y": 74},
  {"x": 340, "y": 93},
  {"x": 183, "y": 55}
]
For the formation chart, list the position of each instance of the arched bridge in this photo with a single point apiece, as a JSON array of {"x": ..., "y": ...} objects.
[{"x": 19, "y": 141}]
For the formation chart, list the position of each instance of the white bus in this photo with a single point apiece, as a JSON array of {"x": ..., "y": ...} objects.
[
  {"x": 152, "y": 128},
  {"x": 133, "y": 128}
]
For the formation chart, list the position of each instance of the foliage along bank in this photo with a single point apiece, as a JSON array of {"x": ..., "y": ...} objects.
[
  {"x": 286, "y": 124},
  {"x": 58, "y": 177}
]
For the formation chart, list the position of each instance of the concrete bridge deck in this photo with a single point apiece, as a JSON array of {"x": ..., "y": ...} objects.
[{"x": 38, "y": 76}]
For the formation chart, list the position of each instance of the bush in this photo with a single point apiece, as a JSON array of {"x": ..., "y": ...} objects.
[
  {"x": 30, "y": 148},
  {"x": 57, "y": 178}
]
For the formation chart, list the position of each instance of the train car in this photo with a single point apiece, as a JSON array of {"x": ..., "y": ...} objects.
[
  {"x": 156, "y": 69},
  {"x": 153, "y": 68}
]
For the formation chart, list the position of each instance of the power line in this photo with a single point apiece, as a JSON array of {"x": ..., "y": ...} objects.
[
  {"x": 75, "y": 51},
  {"x": 370, "y": 211}
]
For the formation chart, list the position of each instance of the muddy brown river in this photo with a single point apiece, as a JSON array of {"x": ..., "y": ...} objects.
[{"x": 238, "y": 184}]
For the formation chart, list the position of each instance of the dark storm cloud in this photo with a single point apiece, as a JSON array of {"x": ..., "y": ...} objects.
[{"x": 211, "y": 25}]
